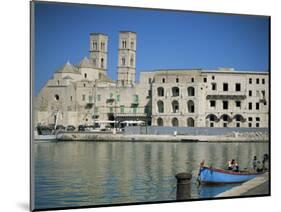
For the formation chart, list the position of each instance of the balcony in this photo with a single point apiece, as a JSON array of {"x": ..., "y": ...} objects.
[
  {"x": 130, "y": 114},
  {"x": 226, "y": 96}
]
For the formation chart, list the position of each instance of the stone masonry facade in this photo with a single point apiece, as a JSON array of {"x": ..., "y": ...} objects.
[{"x": 83, "y": 94}]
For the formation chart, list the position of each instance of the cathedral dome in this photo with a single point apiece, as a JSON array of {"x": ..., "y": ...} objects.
[
  {"x": 68, "y": 68},
  {"x": 86, "y": 63}
]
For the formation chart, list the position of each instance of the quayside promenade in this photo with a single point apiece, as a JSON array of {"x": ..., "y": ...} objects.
[
  {"x": 93, "y": 136},
  {"x": 256, "y": 186}
]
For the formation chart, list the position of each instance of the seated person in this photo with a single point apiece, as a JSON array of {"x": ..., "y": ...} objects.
[{"x": 231, "y": 164}]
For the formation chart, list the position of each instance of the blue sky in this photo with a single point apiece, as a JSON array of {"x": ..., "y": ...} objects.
[{"x": 164, "y": 39}]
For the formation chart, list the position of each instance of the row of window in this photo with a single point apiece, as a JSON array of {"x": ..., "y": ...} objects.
[
  {"x": 257, "y": 81},
  {"x": 191, "y": 90},
  {"x": 190, "y": 122},
  {"x": 225, "y": 117},
  {"x": 123, "y": 61},
  {"x": 260, "y": 94},
  {"x": 225, "y": 86},
  {"x": 250, "y": 105},
  {"x": 132, "y": 109},
  {"x": 236, "y": 125},
  {"x": 111, "y": 96},
  {"x": 225, "y": 104},
  {"x": 213, "y": 77},
  {"x": 124, "y": 44},
  {"x": 95, "y": 46},
  {"x": 250, "y": 80},
  {"x": 177, "y": 80},
  {"x": 251, "y": 119},
  {"x": 176, "y": 91},
  {"x": 175, "y": 106},
  {"x": 175, "y": 122},
  {"x": 122, "y": 109}
]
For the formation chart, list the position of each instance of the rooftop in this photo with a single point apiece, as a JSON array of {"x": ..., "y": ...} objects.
[
  {"x": 86, "y": 63},
  {"x": 200, "y": 70},
  {"x": 68, "y": 68}
]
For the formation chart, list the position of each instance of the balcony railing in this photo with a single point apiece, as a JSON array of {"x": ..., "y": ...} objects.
[
  {"x": 130, "y": 114},
  {"x": 225, "y": 96}
]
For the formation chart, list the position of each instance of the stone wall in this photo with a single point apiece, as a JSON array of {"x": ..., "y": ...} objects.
[{"x": 135, "y": 130}]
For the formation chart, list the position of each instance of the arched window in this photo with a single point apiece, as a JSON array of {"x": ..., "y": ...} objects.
[
  {"x": 95, "y": 61},
  {"x": 225, "y": 117},
  {"x": 160, "y": 106},
  {"x": 102, "y": 60},
  {"x": 190, "y": 122},
  {"x": 175, "y": 106},
  {"x": 132, "y": 44},
  {"x": 57, "y": 97},
  {"x": 102, "y": 46},
  {"x": 175, "y": 91},
  {"x": 191, "y": 91},
  {"x": 95, "y": 45},
  {"x": 124, "y": 44},
  {"x": 85, "y": 76},
  {"x": 123, "y": 61},
  {"x": 159, "y": 122},
  {"x": 175, "y": 122},
  {"x": 160, "y": 91},
  {"x": 212, "y": 117},
  {"x": 190, "y": 106},
  {"x": 239, "y": 117},
  {"x": 132, "y": 61}
]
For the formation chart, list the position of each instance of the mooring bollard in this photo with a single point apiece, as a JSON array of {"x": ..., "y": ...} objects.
[{"x": 183, "y": 185}]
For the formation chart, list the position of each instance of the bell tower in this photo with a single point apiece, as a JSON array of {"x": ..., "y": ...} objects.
[
  {"x": 127, "y": 58},
  {"x": 98, "y": 50}
]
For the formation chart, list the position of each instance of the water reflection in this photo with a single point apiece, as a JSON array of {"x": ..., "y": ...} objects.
[{"x": 88, "y": 173}]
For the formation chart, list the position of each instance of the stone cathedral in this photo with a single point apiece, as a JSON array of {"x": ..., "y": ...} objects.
[{"x": 82, "y": 94}]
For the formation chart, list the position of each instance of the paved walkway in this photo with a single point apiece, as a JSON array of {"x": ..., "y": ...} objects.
[
  {"x": 259, "y": 190},
  {"x": 256, "y": 186}
]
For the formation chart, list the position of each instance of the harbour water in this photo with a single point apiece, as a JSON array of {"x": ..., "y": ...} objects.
[{"x": 69, "y": 174}]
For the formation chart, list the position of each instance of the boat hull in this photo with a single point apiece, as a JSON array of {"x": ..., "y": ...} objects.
[{"x": 219, "y": 176}]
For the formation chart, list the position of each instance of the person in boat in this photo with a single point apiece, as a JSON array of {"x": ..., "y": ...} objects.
[
  {"x": 255, "y": 163},
  {"x": 231, "y": 164},
  {"x": 259, "y": 166}
]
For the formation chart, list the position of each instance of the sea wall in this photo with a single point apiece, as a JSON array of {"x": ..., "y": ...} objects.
[
  {"x": 154, "y": 130},
  {"x": 92, "y": 136}
]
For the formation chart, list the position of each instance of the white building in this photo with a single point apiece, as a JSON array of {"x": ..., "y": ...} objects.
[{"x": 84, "y": 93}]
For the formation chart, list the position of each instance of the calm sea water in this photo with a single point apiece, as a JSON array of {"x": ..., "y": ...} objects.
[{"x": 71, "y": 174}]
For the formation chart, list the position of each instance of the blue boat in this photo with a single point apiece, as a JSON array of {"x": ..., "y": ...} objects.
[{"x": 209, "y": 175}]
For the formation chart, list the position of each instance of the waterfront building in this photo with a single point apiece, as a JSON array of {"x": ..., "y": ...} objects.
[{"x": 84, "y": 94}]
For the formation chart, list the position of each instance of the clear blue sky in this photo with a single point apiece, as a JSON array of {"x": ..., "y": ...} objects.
[{"x": 164, "y": 39}]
